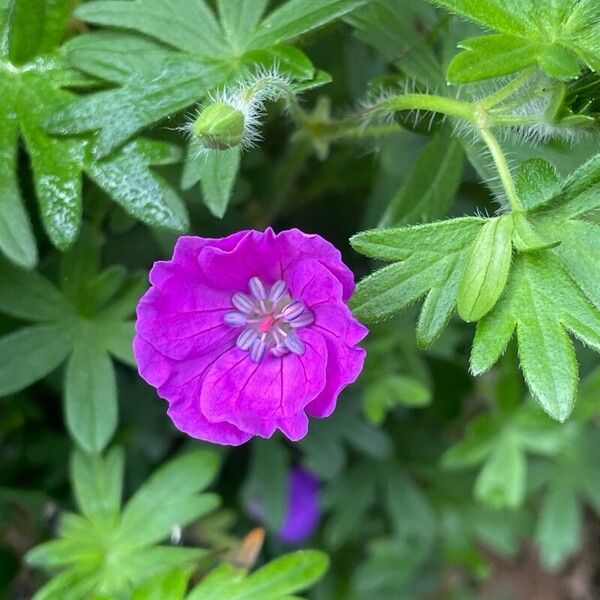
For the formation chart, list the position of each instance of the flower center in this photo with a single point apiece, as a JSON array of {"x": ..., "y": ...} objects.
[{"x": 269, "y": 318}]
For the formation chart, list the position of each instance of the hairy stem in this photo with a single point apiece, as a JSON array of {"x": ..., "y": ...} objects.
[
  {"x": 439, "y": 104},
  {"x": 502, "y": 167}
]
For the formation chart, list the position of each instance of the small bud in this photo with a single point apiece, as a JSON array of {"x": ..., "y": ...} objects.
[{"x": 219, "y": 126}]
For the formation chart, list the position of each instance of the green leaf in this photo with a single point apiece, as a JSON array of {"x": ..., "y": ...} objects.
[
  {"x": 431, "y": 186},
  {"x": 239, "y": 19},
  {"x": 540, "y": 301},
  {"x": 431, "y": 260},
  {"x": 560, "y": 62},
  {"x": 16, "y": 236},
  {"x": 188, "y": 26},
  {"x": 116, "y": 56},
  {"x": 536, "y": 182},
  {"x": 153, "y": 511},
  {"x": 145, "y": 98},
  {"x": 284, "y": 575},
  {"x": 218, "y": 171},
  {"x": 118, "y": 339},
  {"x": 98, "y": 554},
  {"x": 126, "y": 177},
  {"x": 501, "y": 482},
  {"x": 486, "y": 269},
  {"x": 388, "y": 26},
  {"x": 32, "y": 353},
  {"x": 217, "y": 583},
  {"x": 557, "y": 35},
  {"x": 97, "y": 481},
  {"x": 148, "y": 562},
  {"x": 395, "y": 389},
  {"x": 171, "y": 584},
  {"x": 56, "y": 163},
  {"x": 559, "y": 527},
  {"x": 30, "y": 296},
  {"x": 90, "y": 395},
  {"x": 490, "y": 56},
  {"x": 296, "y": 17}
]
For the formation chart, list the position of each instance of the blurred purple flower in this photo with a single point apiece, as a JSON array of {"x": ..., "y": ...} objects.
[
  {"x": 250, "y": 333},
  {"x": 303, "y": 510}
]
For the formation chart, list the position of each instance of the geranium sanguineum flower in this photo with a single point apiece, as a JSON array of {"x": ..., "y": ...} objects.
[{"x": 250, "y": 333}]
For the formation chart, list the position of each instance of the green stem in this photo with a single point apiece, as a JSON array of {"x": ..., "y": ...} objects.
[
  {"x": 502, "y": 168},
  {"x": 506, "y": 91},
  {"x": 439, "y": 104}
]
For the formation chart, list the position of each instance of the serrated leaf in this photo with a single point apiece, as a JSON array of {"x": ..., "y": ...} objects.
[
  {"x": 490, "y": 56},
  {"x": 431, "y": 186},
  {"x": 388, "y": 26},
  {"x": 430, "y": 258},
  {"x": 188, "y": 26},
  {"x": 126, "y": 177},
  {"x": 239, "y": 19},
  {"x": 90, "y": 395},
  {"x": 540, "y": 301},
  {"x": 567, "y": 35},
  {"x": 486, "y": 269},
  {"x": 147, "y": 96},
  {"x": 296, "y": 17},
  {"x": 17, "y": 241}
]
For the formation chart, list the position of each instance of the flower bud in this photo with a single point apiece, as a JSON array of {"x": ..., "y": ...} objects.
[{"x": 219, "y": 126}]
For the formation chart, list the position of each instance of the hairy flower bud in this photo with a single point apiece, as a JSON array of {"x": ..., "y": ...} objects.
[{"x": 219, "y": 126}]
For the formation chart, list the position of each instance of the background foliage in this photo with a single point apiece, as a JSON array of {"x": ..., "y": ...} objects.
[{"x": 456, "y": 143}]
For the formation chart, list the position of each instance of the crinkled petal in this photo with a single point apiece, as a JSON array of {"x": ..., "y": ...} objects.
[
  {"x": 336, "y": 320},
  {"x": 178, "y": 334},
  {"x": 152, "y": 365},
  {"x": 343, "y": 367},
  {"x": 294, "y": 242},
  {"x": 261, "y": 397},
  {"x": 309, "y": 281}
]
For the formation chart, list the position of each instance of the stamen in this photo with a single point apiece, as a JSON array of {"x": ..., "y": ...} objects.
[
  {"x": 235, "y": 319},
  {"x": 245, "y": 339},
  {"x": 270, "y": 318},
  {"x": 257, "y": 350},
  {"x": 242, "y": 302},
  {"x": 293, "y": 310},
  {"x": 294, "y": 344},
  {"x": 278, "y": 289},
  {"x": 306, "y": 318},
  {"x": 257, "y": 288}
]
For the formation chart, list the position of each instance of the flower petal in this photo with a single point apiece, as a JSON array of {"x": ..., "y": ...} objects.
[
  {"x": 343, "y": 367},
  {"x": 261, "y": 397}
]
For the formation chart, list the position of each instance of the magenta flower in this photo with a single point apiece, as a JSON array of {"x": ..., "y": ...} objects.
[{"x": 248, "y": 334}]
